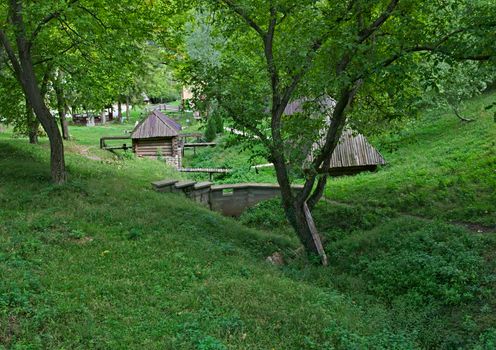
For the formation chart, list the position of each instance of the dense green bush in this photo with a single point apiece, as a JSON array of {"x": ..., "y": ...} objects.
[
  {"x": 421, "y": 262},
  {"x": 210, "y": 130},
  {"x": 265, "y": 215},
  {"x": 218, "y": 121}
]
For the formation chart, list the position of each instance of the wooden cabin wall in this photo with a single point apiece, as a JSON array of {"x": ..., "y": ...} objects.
[{"x": 153, "y": 147}]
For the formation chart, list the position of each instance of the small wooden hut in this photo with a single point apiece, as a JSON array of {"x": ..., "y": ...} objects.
[
  {"x": 158, "y": 136},
  {"x": 353, "y": 154}
]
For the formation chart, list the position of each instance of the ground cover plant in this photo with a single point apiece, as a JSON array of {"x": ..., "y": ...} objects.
[{"x": 104, "y": 261}]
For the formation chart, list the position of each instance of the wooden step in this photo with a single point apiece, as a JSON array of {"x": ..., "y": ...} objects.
[
  {"x": 184, "y": 184},
  {"x": 163, "y": 185},
  {"x": 203, "y": 185}
]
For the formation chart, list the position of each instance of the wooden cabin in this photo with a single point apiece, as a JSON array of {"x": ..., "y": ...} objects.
[
  {"x": 158, "y": 136},
  {"x": 353, "y": 154}
]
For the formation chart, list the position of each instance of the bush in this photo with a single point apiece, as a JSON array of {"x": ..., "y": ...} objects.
[
  {"x": 267, "y": 215},
  {"x": 210, "y": 131},
  {"x": 417, "y": 262},
  {"x": 218, "y": 121}
]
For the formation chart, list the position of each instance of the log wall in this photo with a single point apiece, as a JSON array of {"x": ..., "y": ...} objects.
[{"x": 153, "y": 147}]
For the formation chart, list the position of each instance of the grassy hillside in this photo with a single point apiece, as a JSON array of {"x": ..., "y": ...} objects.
[
  {"x": 105, "y": 262},
  {"x": 439, "y": 167},
  {"x": 416, "y": 240}
]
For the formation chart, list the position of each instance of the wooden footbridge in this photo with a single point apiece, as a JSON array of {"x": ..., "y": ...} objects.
[{"x": 229, "y": 199}]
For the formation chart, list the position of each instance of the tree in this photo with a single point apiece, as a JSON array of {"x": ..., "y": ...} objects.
[
  {"x": 68, "y": 37},
  {"x": 21, "y": 61},
  {"x": 210, "y": 130},
  {"x": 356, "y": 52},
  {"x": 218, "y": 120}
]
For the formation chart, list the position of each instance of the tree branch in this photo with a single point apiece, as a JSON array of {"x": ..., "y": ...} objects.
[
  {"x": 11, "y": 54},
  {"x": 94, "y": 16},
  {"x": 47, "y": 19},
  {"x": 367, "y": 32},
  {"x": 236, "y": 8},
  {"x": 458, "y": 114}
]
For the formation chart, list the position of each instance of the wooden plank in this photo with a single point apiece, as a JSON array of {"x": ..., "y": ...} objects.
[
  {"x": 184, "y": 184},
  {"x": 163, "y": 183},
  {"x": 202, "y": 185},
  {"x": 315, "y": 235},
  {"x": 199, "y": 144},
  {"x": 204, "y": 170}
]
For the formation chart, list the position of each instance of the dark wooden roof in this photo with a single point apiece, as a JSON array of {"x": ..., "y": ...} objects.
[
  {"x": 355, "y": 151},
  {"x": 156, "y": 125}
]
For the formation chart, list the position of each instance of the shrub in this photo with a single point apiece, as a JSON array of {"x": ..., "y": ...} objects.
[
  {"x": 265, "y": 215},
  {"x": 219, "y": 122},
  {"x": 417, "y": 262},
  {"x": 210, "y": 131}
]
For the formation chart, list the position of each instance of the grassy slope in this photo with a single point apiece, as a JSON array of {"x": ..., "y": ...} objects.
[
  {"x": 104, "y": 262},
  {"x": 438, "y": 167}
]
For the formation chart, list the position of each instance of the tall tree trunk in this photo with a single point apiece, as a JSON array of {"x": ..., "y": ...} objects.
[
  {"x": 127, "y": 109},
  {"x": 32, "y": 123},
  {"x": 119, "y": 110},
  {"x": 298, "y": 214},
  {"x": 61, "y": 108},
  {"x": 103, "y": 117}
]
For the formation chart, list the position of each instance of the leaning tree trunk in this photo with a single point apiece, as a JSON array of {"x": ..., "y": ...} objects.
[
  {"x": 35, "y": 98},
  {"x": 57, "y": 162},
  {"x": 301, "y": 220},
  {"x": 25, "y": 75},
  {"x": 298, "y": 213}
]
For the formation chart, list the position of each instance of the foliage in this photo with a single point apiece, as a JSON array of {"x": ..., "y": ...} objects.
[
  {"x": 437, "y": 168},
  {"x": 161, "y": 274},
  {"x": 218, "y": 120},
  {"x": 210, "y": 130},
  {"x": 361, "y": 57}
]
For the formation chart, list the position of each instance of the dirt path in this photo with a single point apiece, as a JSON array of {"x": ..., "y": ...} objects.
[{"x": 84, "y": 151}]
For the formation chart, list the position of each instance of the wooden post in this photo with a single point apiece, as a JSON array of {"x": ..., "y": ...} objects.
[{"x": 315, "y": 235}]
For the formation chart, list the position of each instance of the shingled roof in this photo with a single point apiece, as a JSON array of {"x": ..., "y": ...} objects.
[
  {"x": 156, "y": 125},
  {"x": 352, "y": 151},
  {"x": 355, "y": 151},
  {"x": 297, "y": 106}
]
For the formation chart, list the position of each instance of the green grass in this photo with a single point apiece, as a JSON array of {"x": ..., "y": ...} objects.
[
  {"x": 438, "y": 167},
  {"x": 105, "y": 262},
  {"x": 228, "y": 156}
]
